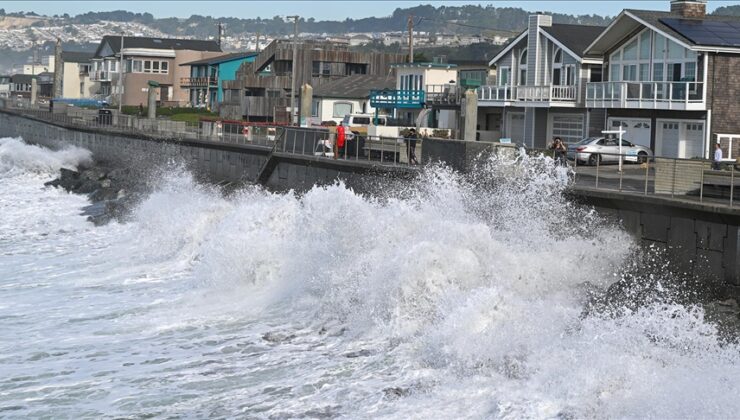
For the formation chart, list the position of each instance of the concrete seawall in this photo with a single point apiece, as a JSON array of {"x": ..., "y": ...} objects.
[
  {"x": 214, "y": 161},
  {"x": 700, "y": 239}
]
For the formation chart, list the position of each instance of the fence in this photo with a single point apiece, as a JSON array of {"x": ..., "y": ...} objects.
[{"x": 687, "y": 179}]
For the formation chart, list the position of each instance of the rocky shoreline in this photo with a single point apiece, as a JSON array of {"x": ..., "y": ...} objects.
[{"x": 109, "y": 190}]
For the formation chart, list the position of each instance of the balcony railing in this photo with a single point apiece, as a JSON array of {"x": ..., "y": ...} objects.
[
  {"x": 443, "y": 94},
  {"x": 102, "y": 76},
  {"x": 198, "y": 81},
  {"x": 646, "y": 95},
  {"x": 546, "y": 93},
  {"x": 397, "y": 98}
]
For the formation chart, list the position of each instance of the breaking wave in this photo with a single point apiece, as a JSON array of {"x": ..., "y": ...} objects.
[{"x": 454, "y": 296}]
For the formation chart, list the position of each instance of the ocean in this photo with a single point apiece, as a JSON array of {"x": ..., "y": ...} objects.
[{"x": 449, "y": 297}]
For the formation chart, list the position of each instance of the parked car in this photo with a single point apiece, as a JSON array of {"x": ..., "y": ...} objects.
[{"x": 601, "y": 149}]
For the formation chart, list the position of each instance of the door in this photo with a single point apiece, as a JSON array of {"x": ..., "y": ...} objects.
[
  {"x": 515, "y": 128},
  {"x": 692, "y": 141},
  {"x": 669, "y": 139}
]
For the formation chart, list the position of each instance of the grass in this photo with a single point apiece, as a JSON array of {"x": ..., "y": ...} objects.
[{"x": 175, "y": 114}]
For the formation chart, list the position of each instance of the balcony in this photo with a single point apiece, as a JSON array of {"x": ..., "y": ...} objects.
[
  {"x": 103, "y": 76},
  {"x": 443, "y": 95},
  {"x": 551, "y": 95},
  {"x": 198, "y": 82},
  {"x": 682, "y": 96},
  {"x": 409, "y": 99}
]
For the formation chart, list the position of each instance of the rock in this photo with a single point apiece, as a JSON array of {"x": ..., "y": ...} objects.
[
  {"x": 395, "y": 392},
  {"x": 106, "y": 183},
  {"x": 359, "y": 353},
  {"x": 93, "y": 174},
  {"x": 53, "y": 183},
  {"x": 274, "y": 337}
]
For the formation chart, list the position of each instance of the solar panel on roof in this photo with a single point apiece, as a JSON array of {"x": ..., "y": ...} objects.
[{"x": 715, "y": 33}]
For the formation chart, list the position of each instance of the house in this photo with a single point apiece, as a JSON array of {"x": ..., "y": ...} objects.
[
  {"x": 671, "y": 79},
  {"x": 348, "y": 95},
  {"x": 76, "y": 82},
  {"x": 419, "y": 85},
  {"x": 204, "y": 83},
  {"x": 46, "y": 64},
  {"x": 5, "y": 82},
  {"x": 540, "y": 87},
  {"x": 20, "y": 85},
  {"x": 262, "y": 88},
  {"x": 359, "y": 40},
  {"x": 45, "y": 82},
  {"x": 147, "y": 59}
]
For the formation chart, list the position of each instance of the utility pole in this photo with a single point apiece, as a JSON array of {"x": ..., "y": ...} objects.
[
  {"x": 257, "y": 42},
  {"x": 220, "y": 33},
  {"x": 411, "y": 38},
  {"x": 293, "y": 114},
  {"x": 120, "y": 78}
]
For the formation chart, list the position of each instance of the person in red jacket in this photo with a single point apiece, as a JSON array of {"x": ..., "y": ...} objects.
[{"x": 340, "y": 140}]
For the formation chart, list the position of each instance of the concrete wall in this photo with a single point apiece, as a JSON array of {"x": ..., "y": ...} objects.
[{"x": 700, "y": 240}]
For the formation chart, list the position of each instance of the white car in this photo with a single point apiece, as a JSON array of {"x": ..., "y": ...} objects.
[{"x": 602, "y": 149}]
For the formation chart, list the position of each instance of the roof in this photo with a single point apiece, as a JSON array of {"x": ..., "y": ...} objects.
[
  {"x": 76, "y": 56},
  {"x": 425, "y": 64},
  {"x": 222, "y": 58},
  {"x": 157, "y": 43},
  {"x": 574, "y": 37},
  {"x": 650, "y": 18},
  {"x": 355, "y": 86},
  {"x": 22, "y": 78}
]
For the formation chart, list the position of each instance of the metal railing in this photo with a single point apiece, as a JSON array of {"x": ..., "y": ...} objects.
[
  {"x": 443, "y": 94},
  {"x": 198, "y": 81},
  {"x": 648, "y": 95},
  {"x": 397, "y": 98},
  {"x": 694, "y": 180}
]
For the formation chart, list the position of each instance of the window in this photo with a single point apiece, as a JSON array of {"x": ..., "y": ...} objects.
[
  {"x": 504, "y": 78},
  {"x": 630, "y": 51},
  {"x": 570, "y": 75},
  {"x": 645, "y": 46},
  {"x": 523, "y": 67},
  {"x": 164, "y": 67},
  {"x": 341, "y": 109},
  {"x": 730, "y": 145},
  {"x": 315, "y": 108},
  {"x": 147, "y": 66},
  {"x": 155, "y": 66},
  {"x": 629, "y": 72},
  {"x": 557, "y": 67}
]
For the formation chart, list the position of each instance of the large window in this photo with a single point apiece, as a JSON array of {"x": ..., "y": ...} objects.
[
  {"x": 650, "y": 56},
  {"x": 341, "y": 109},
  {"x": 147, "y": 66},
  {"x": 412, "y": 82},
  {"x": 730, "y": 145},
  {"x": 523, "y": 67},
  {"x": 504, "y": 76}
]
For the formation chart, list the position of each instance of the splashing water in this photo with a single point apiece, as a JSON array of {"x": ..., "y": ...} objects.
[{"x": 453, "y": 297}]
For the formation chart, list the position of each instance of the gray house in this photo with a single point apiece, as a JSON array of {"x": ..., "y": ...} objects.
[
  {"x": 540, "y": 89},
  {"x": 671, "y": 79}
]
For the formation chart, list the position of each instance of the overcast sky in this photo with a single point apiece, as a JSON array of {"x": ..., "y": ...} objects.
[{"x": 320, "y": 9}]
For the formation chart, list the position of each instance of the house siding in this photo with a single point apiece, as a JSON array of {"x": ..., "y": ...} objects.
[{"x": 723, "y": 93}]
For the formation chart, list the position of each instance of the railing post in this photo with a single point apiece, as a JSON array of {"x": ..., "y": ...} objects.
[
  {"x": 598, "y": 162},
  {"x": 701, "y": 186},
  {"x": 621, "y": 173},
  {"x": 673, "y": 178},
  {"x": 686, "y": 96},
  {"x": 303, "y": 150},
  {"x": 382, "y": 149},
  {"x": 647, "y": 174},
  {"x": 732, "y": 184}
]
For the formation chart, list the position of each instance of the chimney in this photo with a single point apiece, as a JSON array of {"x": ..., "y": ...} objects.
[{"x": 690, "y": 9}]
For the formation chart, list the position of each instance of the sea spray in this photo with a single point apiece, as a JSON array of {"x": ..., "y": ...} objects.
[{"x": 450, "y": 296}]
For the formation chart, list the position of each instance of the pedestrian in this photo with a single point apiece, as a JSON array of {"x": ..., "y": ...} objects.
[
  {"x": 341, "y": 137},
  {"x": 411, "y": 146},
  {"x": 141, "y": 109},
  {"x": 559, "y": 151},
  {"x": 717, "y": 157}
]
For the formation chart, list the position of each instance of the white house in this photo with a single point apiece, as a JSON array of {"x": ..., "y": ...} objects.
[{"x": 348, "y": 95}]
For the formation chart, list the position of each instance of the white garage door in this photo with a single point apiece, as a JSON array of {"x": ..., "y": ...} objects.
[
  {"x": 680, "y": 139},
  {"x": 669, "y": 138},
  {"x": 516, "y": 127},
  {"x": 637, "y": 130},
  {"x": 568, "y": 127}
]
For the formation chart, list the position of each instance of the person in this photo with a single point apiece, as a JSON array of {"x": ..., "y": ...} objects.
[
  {"x": 717, "y": 157},
  {"x": 411, "y": 146},
  {"x": 141, "y": 109},
  {"x": 340, "y": 140},
  {"x": 559, "y": 151}
]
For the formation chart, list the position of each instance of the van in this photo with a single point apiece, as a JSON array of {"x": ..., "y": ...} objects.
[{"x": 358, "y": 123}]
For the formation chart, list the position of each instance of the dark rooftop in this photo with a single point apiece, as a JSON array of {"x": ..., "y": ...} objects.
[
  {"x": 356, "y": 86},
  {"x": 76, "y": 56},
  {"x": 157, "y": 43},
  {"x": 654, "y": 18},
  {"x": 21, "y": 78},
  {"x": 575, "y": 37}
]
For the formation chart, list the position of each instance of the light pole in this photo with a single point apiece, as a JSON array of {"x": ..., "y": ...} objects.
[
  {"x": 120, "y": 78},
  {"x": 293, "y": 114}
]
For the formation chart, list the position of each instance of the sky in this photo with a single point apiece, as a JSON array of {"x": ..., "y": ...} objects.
[{"x": 321, "y": 10}]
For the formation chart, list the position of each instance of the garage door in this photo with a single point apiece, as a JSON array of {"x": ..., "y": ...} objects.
[
  {"x": 669, "y": 138},
  {"x": 568, "y": 127},
  {"x": 516, "y": 127},
  {"x": 692, "y": 141},
  {"x": 637, "y": 130}
]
